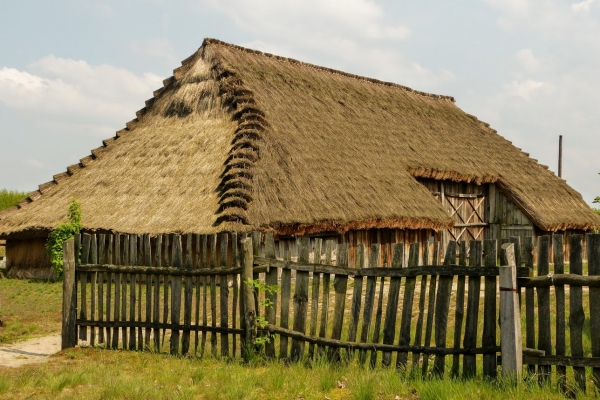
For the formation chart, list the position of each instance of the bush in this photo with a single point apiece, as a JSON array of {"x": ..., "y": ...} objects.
[
  {"x": 63, "y": 232},
  {"x": 10, "y": 198}
]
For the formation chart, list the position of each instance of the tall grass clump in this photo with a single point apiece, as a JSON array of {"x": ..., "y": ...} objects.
[{"x": 10, "y": 198}]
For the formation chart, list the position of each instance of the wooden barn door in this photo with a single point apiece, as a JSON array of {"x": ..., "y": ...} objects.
[{"x": 467, "y": 212}]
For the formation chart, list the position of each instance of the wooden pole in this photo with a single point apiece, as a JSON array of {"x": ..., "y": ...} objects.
[
  {"x": 560, "y": 156},
  {"x": 248, "y": 297},
  {"x": 69, "y": 311},
  {"x": 510, "y": 318}
]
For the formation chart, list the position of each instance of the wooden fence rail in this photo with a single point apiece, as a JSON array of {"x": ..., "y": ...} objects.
[{"x": 135, "y": 292}]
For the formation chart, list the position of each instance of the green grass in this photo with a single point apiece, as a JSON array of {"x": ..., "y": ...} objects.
[
  {"x": 98, "y": 374},
  {"x": 29, "y": 309},
  {"x": 10, "y": 198}
]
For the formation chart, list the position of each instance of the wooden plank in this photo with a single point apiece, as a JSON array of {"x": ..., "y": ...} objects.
[
  {"x": 442, "y": 308},
  {"x": 256, "y": 241},
  {"x": 132, "y": 300},
  {"x": 459, "y": 309},
  {"x": 69, "y": 305},
  {"x": 156, "y": 283},
  {"x": 470, "y": 339},
  {"x": 204, "y": 292},
  {"x": 83, "y": 332},
  {"x": 356, "y": 299},
  {"x": 124, "y": 281},
  {"x": 166, "y": 286},
  {"x": 148, "y": 281},
  {"x": 176, "y": 294},
  {"x": 224, "y": 296},
  {"x": 101, "y": 279},
  {"x": 85, "y": 248},
  {"x": 326, "y": 288},
  {"x": 314, "y": 306},
  {"x": 235, "y": 257},
  {"x": 248, "y": 295},
  {"x": 117, "y": 280},
  {"x": 576, "y": 313},
  {"x": 286, "y": 288},
  {"x": 593, "y": 247},
  {"x": 93, "y": 282},
  {"x": 340, "y": 285},
  {"x": 430, "y": 309},
  {"x": 529, "y": 300},
  {"x": 422, "y": 298},
  {"x": 489, "y": 309},
  {"x": 369, "y": 301},
  {"x": 407, "y": 307},
  {"x": 300, "y": 301},
  {"x": 197, "y": 281},
  {"x": 213, "y": 293},
  {"x": 389, "y": 328},
  {"x": 187, "y": 300},
  {"x": 378, "y": 315},
  {"x": 510, "y": 318},
  {"x": 543, "y": 298},
  {"x": 561, "y": 327}
]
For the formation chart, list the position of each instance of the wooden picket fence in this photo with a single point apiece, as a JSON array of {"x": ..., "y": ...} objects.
[{"x": 431, "y": 319}]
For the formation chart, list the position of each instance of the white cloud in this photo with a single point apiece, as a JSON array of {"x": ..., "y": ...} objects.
[
  {"x": 584, "y": 6},
  {"x": 528, "y": 60},
  {"x": 524, "y": 89},
  {"x": 75, "y": 89}
]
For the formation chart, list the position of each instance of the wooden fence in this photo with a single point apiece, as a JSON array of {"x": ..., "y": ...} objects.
[{"x": 432, "y": 319}]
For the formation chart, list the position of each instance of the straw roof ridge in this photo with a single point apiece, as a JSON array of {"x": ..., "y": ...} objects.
[{"x": 208, "y": 41}]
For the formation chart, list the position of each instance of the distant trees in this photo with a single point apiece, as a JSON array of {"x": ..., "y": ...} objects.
[{"x": 9, "y": 198}]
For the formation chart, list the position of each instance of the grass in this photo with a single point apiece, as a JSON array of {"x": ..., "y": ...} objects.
[
  {"x": 99, "y": 373},
  {"x": 29, "y": 309}
]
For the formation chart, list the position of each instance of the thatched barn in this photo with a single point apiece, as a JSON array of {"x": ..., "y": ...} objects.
[{"x": 239, "y": 140}]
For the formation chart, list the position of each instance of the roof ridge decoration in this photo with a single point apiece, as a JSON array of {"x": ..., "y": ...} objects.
[
  {"x": 235, "y": 187},
  {"x": 330, "y": 70}
]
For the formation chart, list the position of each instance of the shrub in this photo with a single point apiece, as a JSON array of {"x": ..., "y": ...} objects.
[{"x": 63, "y": 232}]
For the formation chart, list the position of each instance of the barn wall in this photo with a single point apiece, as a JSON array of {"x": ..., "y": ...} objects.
[{"x": 28, "y": 259}]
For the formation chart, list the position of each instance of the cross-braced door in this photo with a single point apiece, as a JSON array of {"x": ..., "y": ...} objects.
[{"x": 467, "y": 212}]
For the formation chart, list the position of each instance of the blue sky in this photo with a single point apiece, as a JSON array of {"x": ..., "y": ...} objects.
[{"x": 73, "y": 72}]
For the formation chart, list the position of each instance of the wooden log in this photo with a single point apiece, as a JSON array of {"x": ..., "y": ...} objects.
[
  {"x": 248, "y": 295},
  {"x": 224, "y": 295},
  {"x": 489, "y": 310},
  {"x": 470, "y": 340},
  {"x": 176, "y": 294},
  {"x": 332, "y": 343},
  {"x": 286, "y": 288},
  {"x": 442, "y": 308},
  {"x": 356, "y": 299},
  {"x": 213, "y": 293},
  {"x": 69, "y": 305},
  {"x": 407, "y": 307},
  {"x": 529, "y": 300},
  {"x": 510, "y": 318},
  {"x": 543, "y": 298},
  {"x": 300, "y": 301},
  {"x": 369, "y": 301},
  {"x": 593, "y": 247},
  {"x": 430, "y": 308},
  {"x": 576, "y": 313},
  {"x": 459, "y": 310},
  {"x": 389, "y": 329},
  {"x": 314, "y": 305},
  {"x": 561, "y": 327}
]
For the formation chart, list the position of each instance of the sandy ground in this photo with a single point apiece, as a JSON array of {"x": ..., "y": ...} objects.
[{"x": 31, "y": 351}]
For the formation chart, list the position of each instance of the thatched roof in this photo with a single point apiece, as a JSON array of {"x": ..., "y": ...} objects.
[{"x": 238, "y": 139}]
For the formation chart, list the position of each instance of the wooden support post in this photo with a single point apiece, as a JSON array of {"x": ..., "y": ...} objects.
[
  {"x": 248, "y": 300},
  {"x": 510, "y": 317},
  {"x": 69, "y": 311}
]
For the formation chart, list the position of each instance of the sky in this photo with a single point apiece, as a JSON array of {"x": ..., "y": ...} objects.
[{"x": 73, "y": 72}]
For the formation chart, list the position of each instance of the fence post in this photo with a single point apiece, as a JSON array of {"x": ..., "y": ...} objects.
[
  {"x": 248, "y": 300},
  {"x": 510, "y": 321},
  {"x": 69, "y": 310}
]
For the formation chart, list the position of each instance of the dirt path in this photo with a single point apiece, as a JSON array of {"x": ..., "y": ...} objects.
[{"x": 36, "y": 350}]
